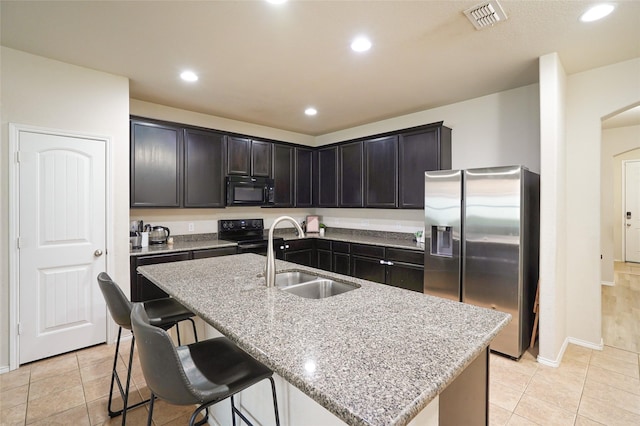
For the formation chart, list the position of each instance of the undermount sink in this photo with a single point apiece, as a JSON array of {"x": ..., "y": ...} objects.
[
  {"x": 284, "y": 279},
  {"x": 310, "y": 286}
]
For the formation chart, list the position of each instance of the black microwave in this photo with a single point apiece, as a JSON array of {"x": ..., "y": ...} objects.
[{"x": 249, "y": 191}]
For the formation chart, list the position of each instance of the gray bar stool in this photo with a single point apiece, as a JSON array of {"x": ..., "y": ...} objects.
[
  {"x": 200, "y": 373},
  {"x": 164, "y": 313}
]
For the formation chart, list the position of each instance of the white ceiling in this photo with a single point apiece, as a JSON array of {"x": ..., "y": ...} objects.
[{"x": 264, "y": 64}]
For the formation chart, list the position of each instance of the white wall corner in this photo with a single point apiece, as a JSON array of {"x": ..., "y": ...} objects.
[{"x": 554, "y": 362}]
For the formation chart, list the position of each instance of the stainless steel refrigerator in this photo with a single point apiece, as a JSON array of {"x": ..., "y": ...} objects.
[{"x": 482, "y": 233}]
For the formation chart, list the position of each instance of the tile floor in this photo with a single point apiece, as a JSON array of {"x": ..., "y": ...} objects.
[
  {"x": 72, "y": 389},
  {"x": 589, "y": 388}
]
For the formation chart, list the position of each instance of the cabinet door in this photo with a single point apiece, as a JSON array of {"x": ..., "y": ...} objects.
[
  {"x": 351, "y": 174},
  {"x": 406, "y": 275},
  {"x": 261, "y": 158},
  {"x": 303, "y": 177},
  {"x": 301, "y": 257},
  {"x": 341, "y": 263},
  {"x": 204, "y": 168},
  {"x": 323, "y": 259},
  {"x": 381, "y": 172},
  {"x": 328, "y": 177},
  {"x": 418, "y": 152},
  {"x": 238, "y": 156},
  {"x": 368, "y": 268},
  {"x": 156, "y": 165},
  {"x": 283, "y": 175},
  {"x": 141, "y": 288}
]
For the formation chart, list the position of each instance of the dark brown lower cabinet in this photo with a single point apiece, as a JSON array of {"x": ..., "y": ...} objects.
[
  {"x": 141, "y": 288},
  {"x": 398, "y": 267},
  {"x": 323, "y": 255},
  {"x": 301, "y": 252},
  {"x": 388, "y": 265}
]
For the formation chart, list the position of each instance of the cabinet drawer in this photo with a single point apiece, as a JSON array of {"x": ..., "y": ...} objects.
[
  {"x": 406, "y": 256},
  {"x": 340, "y": 247},
  {"x": 163, "y": 258},
  {"x": 323, "y": 244},
  {"x": 367, "y": 250},
  {"x": 303, "y": 244},
  {"x": 223, "y": 251}
]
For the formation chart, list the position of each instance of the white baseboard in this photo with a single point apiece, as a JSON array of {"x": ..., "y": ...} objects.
[
  {"x": 608, "y": 283},
  {"x": 4, "y": 369},
  {"x": 555, "y": 363},
  {"x": 584, "y": 343}
]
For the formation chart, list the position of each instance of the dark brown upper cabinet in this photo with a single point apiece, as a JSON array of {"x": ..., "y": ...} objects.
[
  {"x": 248, "y": 157},
  {"x": 351, "y": 174},
  {"x": 155, "y": 165},
  {"x": 204, "y": 172},
  {"x": 304, "y": 171},
  {"x": 381, "y": 172},
  {"x": 283, "y": 178},
  {"x": 261, "y": 158},
  {"x": 420, "y": 151},
  {"x": 327, "y": 177}
]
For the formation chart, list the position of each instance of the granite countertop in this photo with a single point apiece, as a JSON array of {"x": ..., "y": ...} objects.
[
  {"x": 376, "y": 238},
  {"x": 376, "y": 355},
  {"x": 379, "y": 238},
  {"x": 181, "y": 246}
]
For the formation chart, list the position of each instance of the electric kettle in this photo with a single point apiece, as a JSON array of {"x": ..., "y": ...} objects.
[{"x": 158, "y": 235}]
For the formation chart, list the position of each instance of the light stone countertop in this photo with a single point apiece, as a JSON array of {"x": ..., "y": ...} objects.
[
  {"x": 348, "y": 236},
  {"x": 376, "y": 355},
  {"x": 179, "y": 246}
]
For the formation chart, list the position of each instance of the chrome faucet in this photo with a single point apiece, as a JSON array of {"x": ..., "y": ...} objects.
[{"x": 270, "y": 270}]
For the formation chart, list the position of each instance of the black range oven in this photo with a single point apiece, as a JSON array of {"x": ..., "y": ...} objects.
[{"x": 250, "y": 236}]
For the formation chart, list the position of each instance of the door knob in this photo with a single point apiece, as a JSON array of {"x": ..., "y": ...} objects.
[{"x": 97, "y": 253}]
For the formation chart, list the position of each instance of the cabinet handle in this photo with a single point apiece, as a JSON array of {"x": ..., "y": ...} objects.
[
  {"x": 286, "y": 246},
  {"x": 281, "y": 247},
  {"x": 382, "y": 262},
  {"x": 390, "y": 263}
]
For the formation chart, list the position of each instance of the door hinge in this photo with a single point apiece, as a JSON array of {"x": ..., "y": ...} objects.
[
  {"x": 18, "y": 156},
  {"x": 19, "y": 242},
  {"x": 19, "y": 329}
]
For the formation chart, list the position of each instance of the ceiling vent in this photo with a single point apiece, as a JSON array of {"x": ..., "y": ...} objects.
[{"x": 486, "y": 14}]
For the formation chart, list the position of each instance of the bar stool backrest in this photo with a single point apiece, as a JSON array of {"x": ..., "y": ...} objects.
[
  {"x": 161, "y": 365},
  {"x": 118, "y": 304}
]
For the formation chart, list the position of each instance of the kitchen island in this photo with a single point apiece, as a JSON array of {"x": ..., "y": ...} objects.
[{"x": 377, "y": 355}]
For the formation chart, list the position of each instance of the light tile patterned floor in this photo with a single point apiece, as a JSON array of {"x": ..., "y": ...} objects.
[
  {"x": 72, "y": 389},
  {"x": 589, "y": 388},
  {"x": 621, "y": 308}
]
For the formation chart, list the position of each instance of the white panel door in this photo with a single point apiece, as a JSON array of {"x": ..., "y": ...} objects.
[
  {"x": 632, "y": 211},
  {"x": 62, "y": 238}
]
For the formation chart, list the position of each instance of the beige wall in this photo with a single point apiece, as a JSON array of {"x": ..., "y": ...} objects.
[
  {"x": 591, "y": 96},
  {"x": 501, "y": 129},
  {"x": 618, "y": 145},
  {"x": 162, "y": 112},
  {"x": 39, "y": 92},
  {"x": 552, "y": 327}
]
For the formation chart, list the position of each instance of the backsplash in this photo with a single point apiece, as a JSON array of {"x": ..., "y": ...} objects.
[{"x": 205, "y": 221}]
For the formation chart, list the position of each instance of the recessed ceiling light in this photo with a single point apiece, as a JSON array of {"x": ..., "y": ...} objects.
[
  {"x": 276, "y": 1},
  {"x": 361, "y": 44},
  {"x": 598, "y": 11},
  {"x": 311, "y": 111},
  {"x": 189, "y": 76}
]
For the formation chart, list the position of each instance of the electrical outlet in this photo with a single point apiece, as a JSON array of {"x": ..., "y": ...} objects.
[{"x": 191, "y": 227}]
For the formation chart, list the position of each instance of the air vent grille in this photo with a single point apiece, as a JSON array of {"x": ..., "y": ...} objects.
[{"x": 486, "y": 14}]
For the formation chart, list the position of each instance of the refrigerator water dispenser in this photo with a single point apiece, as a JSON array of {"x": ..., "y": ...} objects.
[{"x": 442, "y": 241}]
